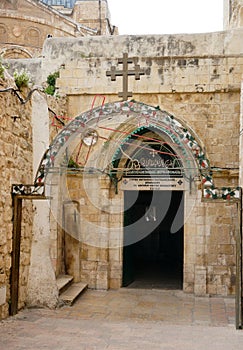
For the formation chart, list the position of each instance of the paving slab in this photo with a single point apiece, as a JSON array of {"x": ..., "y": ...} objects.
[{"x": 127, "y": 319}]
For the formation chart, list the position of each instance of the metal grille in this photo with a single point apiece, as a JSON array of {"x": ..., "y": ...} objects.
[{"x": 65, "y": 3}]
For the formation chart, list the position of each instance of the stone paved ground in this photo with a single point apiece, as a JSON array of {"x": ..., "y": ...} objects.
[{"x": 127, "y": 319}]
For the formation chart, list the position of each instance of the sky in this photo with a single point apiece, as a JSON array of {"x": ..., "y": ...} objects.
[{"x": 166, "y": 16}]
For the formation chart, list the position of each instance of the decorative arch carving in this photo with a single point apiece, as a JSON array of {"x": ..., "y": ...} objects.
[
  {"x": 3, "y": 33},
  {"x": 32, "y": 36},
  {"x": 15, "y": 52},
  {"x": 134, "y": 117}
]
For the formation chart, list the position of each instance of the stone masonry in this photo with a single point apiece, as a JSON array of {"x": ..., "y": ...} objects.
[
  {"x": 25, "y": 24},
  {"x": 16, "y": 167},
  {"x": 196, "y": 79}
]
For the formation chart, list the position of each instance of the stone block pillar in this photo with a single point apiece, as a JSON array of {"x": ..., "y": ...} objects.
[
  {"x": 42, "y": 289},
  {"x": 200, "y": 286}
]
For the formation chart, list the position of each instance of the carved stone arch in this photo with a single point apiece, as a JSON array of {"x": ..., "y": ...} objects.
[
  {"x": 177, "y": 136},
  {"x": 32, "y": 36},
  {"x": 15, "y": 52},
  {"x": 129, "y": 117},
  {"x": 126, "y": 117}
]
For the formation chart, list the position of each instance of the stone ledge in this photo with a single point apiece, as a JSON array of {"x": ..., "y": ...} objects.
[{"x": 72, "y": 293}]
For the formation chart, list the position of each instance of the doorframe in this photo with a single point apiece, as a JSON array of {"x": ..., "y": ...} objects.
[
  {"x": 239, "y": 270},
  {"x": 19, "y": 192},
  {"x": 62, "y": 243},
  {"x": 160, "y": 190},
  {"x": 239, "y": 256}
]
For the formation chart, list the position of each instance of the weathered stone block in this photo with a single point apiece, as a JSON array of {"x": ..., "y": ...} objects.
[
  {"x": 226, "y": 249},
  {"x": 115, "y": 283}
]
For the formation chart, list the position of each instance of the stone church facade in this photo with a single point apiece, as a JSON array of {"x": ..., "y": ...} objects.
[
  {"x": 25, "y": 24},
  {"x": 140, "y": 163}
]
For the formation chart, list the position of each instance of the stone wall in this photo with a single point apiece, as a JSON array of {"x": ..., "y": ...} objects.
[
  {"x": 57, "y": 113},
  {"x": 25, "y": 25},
  {"x": 210, "y": 249},
  {"x": 93, "y": 224},
  {"x": 233, "y": 13},
  {"x": 196, "y": 78},
  {"x": 16, "y": 167},
  {"x": 94, "y": 254},
  {"x": 221, "y": 248},
  {"x": 88, "y": 13}
]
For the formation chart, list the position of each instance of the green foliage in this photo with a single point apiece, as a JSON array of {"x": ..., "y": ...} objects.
[
  {"x": 50, "y": 90},
  {"x": 72, "y": 163},
  {"x": 21, "y": 78},
  {"x": 1, "y": 72},
  {"x": 51, "y": 81},
  {"x": 2, "y": 69}
]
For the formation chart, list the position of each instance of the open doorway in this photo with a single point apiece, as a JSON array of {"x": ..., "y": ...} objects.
[{"x": 153, "y": 239}]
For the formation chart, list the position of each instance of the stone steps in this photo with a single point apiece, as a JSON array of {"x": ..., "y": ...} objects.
[
  {"x": 63, "y": 282},
  {"x": 69, "y": 291}
]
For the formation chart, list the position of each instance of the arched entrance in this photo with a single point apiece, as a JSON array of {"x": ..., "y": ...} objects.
[
  {"x": 96, "y": 162},
  {"x": 153, "y": 184},
  {"x": 120, "y": 121},
  {"x": 156, "y": 260},
  {"x": 104, "y": 148},
  {"x": 112, "y": 151}
]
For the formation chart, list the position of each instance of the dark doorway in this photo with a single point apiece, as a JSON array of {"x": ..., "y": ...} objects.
[{"x": 153, "y": 239}]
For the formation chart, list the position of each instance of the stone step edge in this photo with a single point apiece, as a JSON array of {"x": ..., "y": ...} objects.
[
  {"x": 69, "y": 296},
  {"x": 63, "y": 282}
]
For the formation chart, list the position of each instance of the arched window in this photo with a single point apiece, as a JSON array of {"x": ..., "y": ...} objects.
[
  {"x": 15, "y": 52},
  {"x": 32, "y": 37}
]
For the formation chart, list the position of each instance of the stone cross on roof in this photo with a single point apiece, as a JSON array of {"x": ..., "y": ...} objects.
[{"x": 125, "y": 72}]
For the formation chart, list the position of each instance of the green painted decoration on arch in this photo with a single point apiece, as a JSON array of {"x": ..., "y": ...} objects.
[{"x": 179, "y": 133}]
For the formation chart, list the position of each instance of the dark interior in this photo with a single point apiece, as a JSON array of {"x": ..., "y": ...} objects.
[{"x": 153, "y": 239}]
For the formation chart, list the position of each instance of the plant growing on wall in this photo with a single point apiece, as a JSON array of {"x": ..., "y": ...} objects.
[
  {"x": 2, "y": 69},
  {"x": 51, "y": 81},
  {"x": 21, "y": 78},
  {"x": 72, "y": 163}
]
